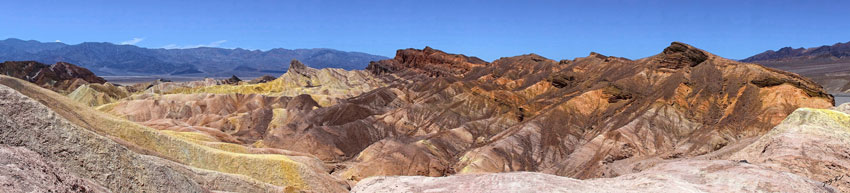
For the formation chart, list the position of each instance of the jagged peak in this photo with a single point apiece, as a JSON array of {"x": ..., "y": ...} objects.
[
  {"x": 429, "y": 61},
  {"x": 679, "y": 47},
  {"x": 296, "y": 66},
  {"x": 428, "y": 48},
  {"x": 597, "y": 55},
  {"x": 679, "y": 55},
  {"x": 232, "y": 80},
  {"x": 532, "y": 56}
]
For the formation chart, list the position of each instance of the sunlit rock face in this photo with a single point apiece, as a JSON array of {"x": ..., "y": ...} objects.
[
  {"x": 428, "y": 61},
  {"x": 95, "y": 94},
  {"x": 680, "y": 103},
  {"x": 596, "y": 116},
  {"x": 807, "y": 152}
]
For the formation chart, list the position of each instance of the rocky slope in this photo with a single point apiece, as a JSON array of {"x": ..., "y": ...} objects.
[
  {"x": 828, "y": 65},
  {"x": 811, "y": 142},
  {"x": 325, "y": 85},
  {"x": 443, "y": 114},
  {"x": 806, "y": 153},
  {"x": 95, "y": 94},
  {"x": 242, "y": 114},
  {"x": 22, "y": 170},
  {"x": 61, "y": 77},
  {"x": 596, "y": 116},
  {"x": 141, "y": 158}
]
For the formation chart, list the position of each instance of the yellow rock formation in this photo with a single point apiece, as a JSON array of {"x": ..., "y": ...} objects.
[
  {"x": 324, "y": 85},
  {"x": 98, "y": 94}
]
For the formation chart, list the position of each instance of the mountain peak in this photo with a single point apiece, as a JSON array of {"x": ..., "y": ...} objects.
[
  {"x": 429, "y": 61},
  {"x": 679, "y": 55},
  {"x": 296, "y": 66},
  {"x": 801, "y": 54}
]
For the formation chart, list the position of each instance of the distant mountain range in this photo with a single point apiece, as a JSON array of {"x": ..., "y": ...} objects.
[
  {"x": 107, "y": 59},
  {"x": 827, "y": 65}
]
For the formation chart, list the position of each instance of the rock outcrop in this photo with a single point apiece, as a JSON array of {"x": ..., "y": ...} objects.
[
  {"x": 811, "y": 142},
  {"x": 232, "y": 80},
  {"x": 427, "y": 61},
  {"x": 95, "y": 94},
  {"x": 61, "y": 77}
]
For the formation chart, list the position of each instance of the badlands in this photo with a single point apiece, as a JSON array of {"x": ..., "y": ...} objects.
[{"x": 683, "y": 120}]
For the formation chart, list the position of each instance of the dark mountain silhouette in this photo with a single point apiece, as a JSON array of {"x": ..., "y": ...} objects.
[
  {"x": 111, "y": 59},
  {"x": 827, "y": 65}
]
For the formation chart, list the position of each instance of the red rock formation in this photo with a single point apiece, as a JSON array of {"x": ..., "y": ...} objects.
[
  {"x": 428, "y": 61},
  {"x": 62, "y": 77}
]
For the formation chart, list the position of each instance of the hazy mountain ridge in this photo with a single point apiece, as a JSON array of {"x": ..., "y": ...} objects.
[
  {"x": 112, "y": 59},
  {"x": 835, "y": 51},
  {"x": 827, "y": 65}
]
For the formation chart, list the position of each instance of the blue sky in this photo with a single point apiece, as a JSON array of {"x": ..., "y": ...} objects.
[{"x": 488, "y": 29}]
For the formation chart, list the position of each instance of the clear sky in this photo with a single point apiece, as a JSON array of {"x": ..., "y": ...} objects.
[{"x": 488, "y": 29}]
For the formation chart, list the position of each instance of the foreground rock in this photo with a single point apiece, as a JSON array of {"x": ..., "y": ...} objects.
[
  {"x": 683, "y": 176},
  {"x": 811, "y": 142},
  {"x": 22, "y": 170},
  {"x": 126, "y": 157}
]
